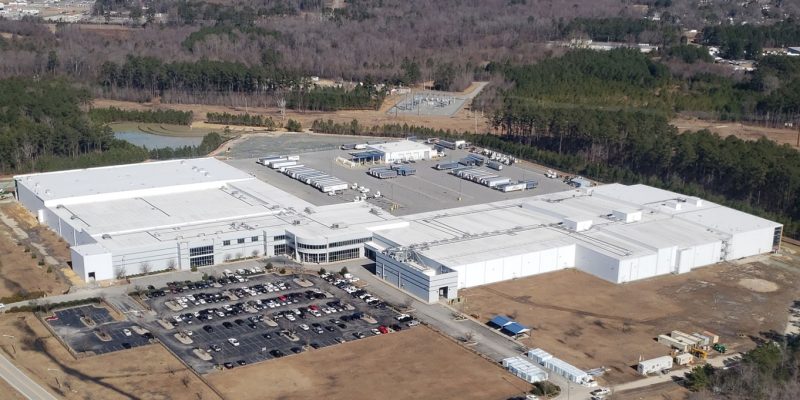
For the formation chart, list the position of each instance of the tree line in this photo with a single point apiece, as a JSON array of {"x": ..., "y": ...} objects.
[
  {"x": 335, "y": 98},
  {"x": 114, "y": 114},
  {"x": 240, "y": 119},
  {"x": 747, "y": 41},
  {"x": 770, "y": 371},
  {"x": 43, "y": 128}
]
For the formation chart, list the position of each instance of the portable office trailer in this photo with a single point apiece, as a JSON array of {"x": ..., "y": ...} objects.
[
  {"x": 457, "y": 144},
  {"x": 293, "y": 158},
  {"x": 685, "y": 337},
  {"x": 385, "y": 174},
  {"x": 539, "y": 355},
  {"x": 674, "y": 343},
  {"x": 351, "y": 146},
  {"x": 714, "y": 338},
  {"x": 684, "y": 359},
  {"x": 495, "y": 165},
  {"x": 567, "y": 370},
  {"x": 524, "y": 369},
  {"x": 530, "y": 184},
  {"x": 279, "y": 165},
  {"x": 654, "y": 365},
  {"x": 704, "y": 340}
]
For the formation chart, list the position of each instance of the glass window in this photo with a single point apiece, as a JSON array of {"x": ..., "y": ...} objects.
[
  {"x": 279, "y": 237},
  {"x": 201, "y": 261},
  {"x": 240, "y": 241},
  {"x": 279, "y": 249},
  {"x": 254, "y": 239},
  {"x": 340, "y": 255},
  {"x": 226, "y": 242},
  {"x": 199, "y": 251}
]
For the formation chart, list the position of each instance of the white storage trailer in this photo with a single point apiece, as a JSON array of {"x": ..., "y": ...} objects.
[
  {"x": 654, "y": 365},
  {"x": 279, "y": 165},
  {"x": 524, "y": 369}
]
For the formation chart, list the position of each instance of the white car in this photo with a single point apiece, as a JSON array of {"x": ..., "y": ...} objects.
[
  {"x": 304, "y": 327},
  {"x": 233, "y": 341},
  {"x": 413, "y": 322},
  {"x": 2, "y": 306},
  {"x": 126, "y": 331}
]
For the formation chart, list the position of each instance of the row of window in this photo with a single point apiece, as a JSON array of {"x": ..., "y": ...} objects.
[
  {"x": 279, "y": 237},
  {"x": 342, "y": 255},
  {"x": 199, "y": 251},
  {"x": 201, "y": 261},
  {"x": 279, "y": 249},
  {"x": 312, "y": 246},
  {"x": 239, "y": 241},
  {"x": 350, "y": 242}
]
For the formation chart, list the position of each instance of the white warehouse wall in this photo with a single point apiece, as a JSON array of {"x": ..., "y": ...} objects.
[
  {"x": 750, "y": 243},
  {"x": 501, "y": 269},
  {"x": 597, "y": 264}
]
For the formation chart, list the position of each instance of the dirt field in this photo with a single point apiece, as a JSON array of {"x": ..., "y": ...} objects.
[
  {"x": 147, "y": 372},
  {"x": 19, "y": 270},
  {"x": 463, "y": 120},
  {"x": 746, "y": 132},
  {"x": 613, "y": 325},
  {"x": 664, "y": 391},
  {"x": 413, "y": 364}
]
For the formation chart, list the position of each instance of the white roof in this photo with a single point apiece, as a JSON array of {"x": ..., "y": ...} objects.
[
  {"x": 524, "y": 366},
  {"x": 401, "y": 146},
  {"x": 490, "y": 231},
  {"x": 127, "y": 181}
]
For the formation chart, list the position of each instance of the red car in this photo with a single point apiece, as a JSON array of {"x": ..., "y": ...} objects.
[{"x": 383, "y": 330}]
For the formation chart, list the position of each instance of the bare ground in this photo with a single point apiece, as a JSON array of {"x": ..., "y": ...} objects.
[
  {"x": 147, "y": 372},
  {"x": 19, "y": 258},
  {"x": 591, "y": 323},
  {"x": 742, "y": 131},
  {"x": 413, "y": 364}
]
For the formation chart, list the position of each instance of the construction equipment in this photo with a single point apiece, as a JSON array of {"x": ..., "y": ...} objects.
[
  {"x": 720, "y": 348},
  {"x": 699, "y": 353}
]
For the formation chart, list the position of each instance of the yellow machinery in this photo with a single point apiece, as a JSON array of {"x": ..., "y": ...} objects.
[{"x": 699, "y": 353}]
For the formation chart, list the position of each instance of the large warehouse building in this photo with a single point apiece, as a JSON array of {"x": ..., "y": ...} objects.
[{"x": 179, "y": 214}]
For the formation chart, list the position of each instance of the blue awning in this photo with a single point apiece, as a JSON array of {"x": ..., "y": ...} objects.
[
  {"x": 515, "y": 328},
  {"x": 370, "y": 155},
  {"x": 500, "y": 321}
]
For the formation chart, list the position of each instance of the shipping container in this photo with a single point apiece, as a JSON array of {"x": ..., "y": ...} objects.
[
  {"x": 713, "y": 336},
  {"x": 530, "y": 184},
  {"x": 492, "y": 182},
  {"x": 495, "y": 165},
  {"x": 277, "y": 160},
  {"x": 447, "y": 166},
  {"x": 511, "y": 187},
  {"x": 279, "y": 165},
  {"x": 266, "y": 160},
  {"x": 674, "y": 343},
  {"x": 524, "y": 369}
]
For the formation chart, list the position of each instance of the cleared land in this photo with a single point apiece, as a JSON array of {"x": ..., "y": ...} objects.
[
  {"x": 147, "y": 372},
  {"x": 462, "y": 120},
  {"x": 592, "y": 323},
  {"x": 21, "y": 251},
  {"x": 411, "y": 364},
  {"x": 742, "y": 131}
]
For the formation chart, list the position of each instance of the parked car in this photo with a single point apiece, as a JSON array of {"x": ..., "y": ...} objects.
[
  {"x": 126, "y": 332},
  {"x": 233, "y": 341}
]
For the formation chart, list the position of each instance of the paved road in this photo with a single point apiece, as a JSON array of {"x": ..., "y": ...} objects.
[{"x": 18, "y": 380}]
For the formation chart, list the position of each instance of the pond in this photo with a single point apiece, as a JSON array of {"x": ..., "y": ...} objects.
[{"x": 152, "y": 141}]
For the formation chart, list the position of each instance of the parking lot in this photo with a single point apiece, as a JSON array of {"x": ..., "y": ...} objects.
[
  {"x": 81, "y": 337},
  {"x": 247, "y": 318},
  {"x": 428, "y": 190}
]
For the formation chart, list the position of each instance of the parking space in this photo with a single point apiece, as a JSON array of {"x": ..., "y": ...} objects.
[
  {"x": 243, "y": 318},
  {"x": 92, "y": 329}
]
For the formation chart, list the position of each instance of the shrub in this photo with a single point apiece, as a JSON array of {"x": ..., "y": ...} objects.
[{"x": 282, "y": 270}]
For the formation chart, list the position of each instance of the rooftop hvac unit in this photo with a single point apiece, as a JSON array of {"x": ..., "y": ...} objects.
[
  {"x": 106, "y": 236},
  {"x": 296, "y": 222},
  {"x": 334, "y": 226}
]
